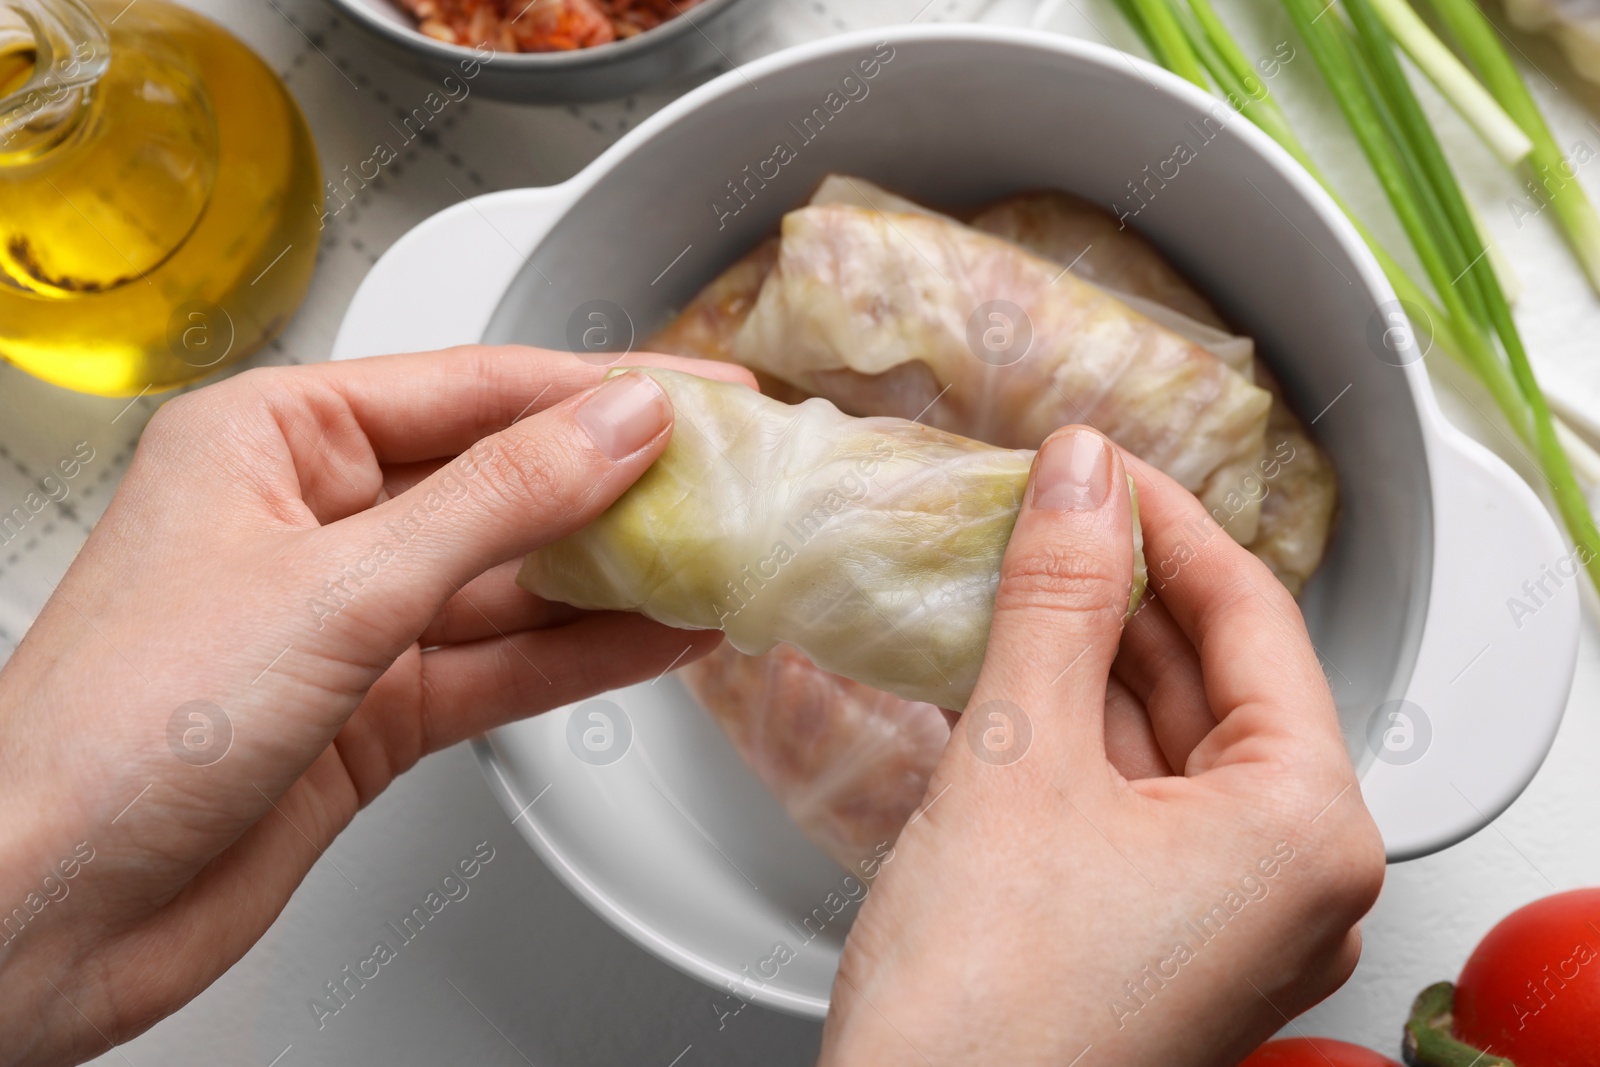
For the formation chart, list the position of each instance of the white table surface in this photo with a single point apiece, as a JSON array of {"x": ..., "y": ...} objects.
[{"x": 520, "y": 971}]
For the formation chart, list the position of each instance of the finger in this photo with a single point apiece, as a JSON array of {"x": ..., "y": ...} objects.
[
  {"x": 1161, "y": 669},
  {"x": 460, "y": 691},
  {"x": 511, "y": 493},
  {"x": 493, "y": 605},
  {"x": 1064, "y": 587},
  {"x": 1247, "y": 630},
  {"x": 329, "y": 429},
  {"x": 1130, "y": 741},
  {"x": 426, "y": 702},
  {"x": 400, "y": 477},
  {"x": 425, "y": 405}
]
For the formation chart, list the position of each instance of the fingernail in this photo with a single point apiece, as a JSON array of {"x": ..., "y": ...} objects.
[
  {"x": 1074, "y": 472},
  {"x": 624, "y": 414}
]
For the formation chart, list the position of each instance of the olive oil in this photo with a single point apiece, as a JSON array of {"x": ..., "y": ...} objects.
[{"x": 160, "y": 196}]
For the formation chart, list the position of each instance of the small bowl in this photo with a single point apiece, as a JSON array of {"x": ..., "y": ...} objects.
[{"x": 692, "y": 41}]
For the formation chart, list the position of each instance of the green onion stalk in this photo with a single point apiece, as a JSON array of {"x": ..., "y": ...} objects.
[
  {"x": 1357, "y": 60},
  {"x": 1434, "y": 192},
  {"x": 1505, "y": 138},
  {"x": 1209, "y": 40},
  {"x": 1478, "y": 39}
]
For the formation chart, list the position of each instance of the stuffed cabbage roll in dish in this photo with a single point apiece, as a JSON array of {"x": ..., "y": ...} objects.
[
  {"x": 858, "y": 192},
  {"x": 1097, "y": 247},
  {"x": 707, "y": 326},
  {"x": 1295, "y": 480},
  {"x": 705, "y": 329},
  {"x": 892, "y": 313},
  {"x": 872, "y": 545},
  {"x": 848, "y": 762},
  {"x": 1069, "y": 229},
  {"x": 1302, "y": 495},
  {"x": 1091, "y": 243}
]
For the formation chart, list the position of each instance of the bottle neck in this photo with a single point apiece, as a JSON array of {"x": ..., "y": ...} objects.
[{"x": 51, "y": 54}]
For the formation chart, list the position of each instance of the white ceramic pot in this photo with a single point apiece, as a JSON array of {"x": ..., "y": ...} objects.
[{"x": 675, "y": 842}]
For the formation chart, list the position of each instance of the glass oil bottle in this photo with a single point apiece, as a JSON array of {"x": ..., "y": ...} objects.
[{"x": 160, "y": 195}]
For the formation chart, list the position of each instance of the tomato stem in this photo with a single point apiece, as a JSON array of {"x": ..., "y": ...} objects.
[{"x": 1428, "y": 1040}]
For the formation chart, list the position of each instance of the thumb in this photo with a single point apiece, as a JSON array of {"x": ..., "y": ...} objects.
[
  {"x": 1059, "y": 608},
  {"x": 515, "y": 491}
]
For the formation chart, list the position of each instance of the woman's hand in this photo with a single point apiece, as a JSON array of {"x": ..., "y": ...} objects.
[
  {"x": 304, "y": 585},
  {"x": 1043, "y": 908}
]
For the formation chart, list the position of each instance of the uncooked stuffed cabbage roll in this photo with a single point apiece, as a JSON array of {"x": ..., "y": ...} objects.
[
  {"x": 872, "y": 545},
  {"x": 705, "y": 329},
  {"x": 1294, "y": 480},
  {"x": 1301, "y": 498},
  {"x": 895, "y": 314},
  {"x": 848, "y": 762},
  {"x": 1069, "y": 229},
  {"x": 708, "y": 325},
  {"x": 1091, "y": 243}
]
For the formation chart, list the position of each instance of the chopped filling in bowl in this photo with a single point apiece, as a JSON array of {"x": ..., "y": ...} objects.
[{"x": 540, "y": 25}]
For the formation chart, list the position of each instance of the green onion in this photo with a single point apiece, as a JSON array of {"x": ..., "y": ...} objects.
[
  {"x": 1171, "y": 44},
  {"x": 1480, "y": 41},
  {"x": 1235, "y": 74},
  {"x": 1357, "y": 59},
  {"x": 1131, "y": 15},
  {"x": 1497, "y": 258},
  {"x": 1383, "y": 79},
  {"x": 1498, "y": 129}
]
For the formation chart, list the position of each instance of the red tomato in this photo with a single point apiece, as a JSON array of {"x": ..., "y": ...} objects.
[
  {"x": 1315, "y": 1052},
  {"x": 1531, "y": 990}
]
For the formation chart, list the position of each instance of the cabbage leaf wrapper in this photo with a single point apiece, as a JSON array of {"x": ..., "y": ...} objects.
[
  {"x": 1102, "y": 249},
  {"x": 894, "y": 314},
  {"x": 872, "y": 545}
]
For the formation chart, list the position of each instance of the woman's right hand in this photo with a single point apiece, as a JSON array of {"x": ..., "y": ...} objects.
[{"x": 1043, "y": 908}]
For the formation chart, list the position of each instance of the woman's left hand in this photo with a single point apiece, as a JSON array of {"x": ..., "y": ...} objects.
[{"x": 304, "y": 585}]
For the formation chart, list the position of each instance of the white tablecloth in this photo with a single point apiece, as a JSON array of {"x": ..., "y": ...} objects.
[{"x": 522, "y": 972}]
